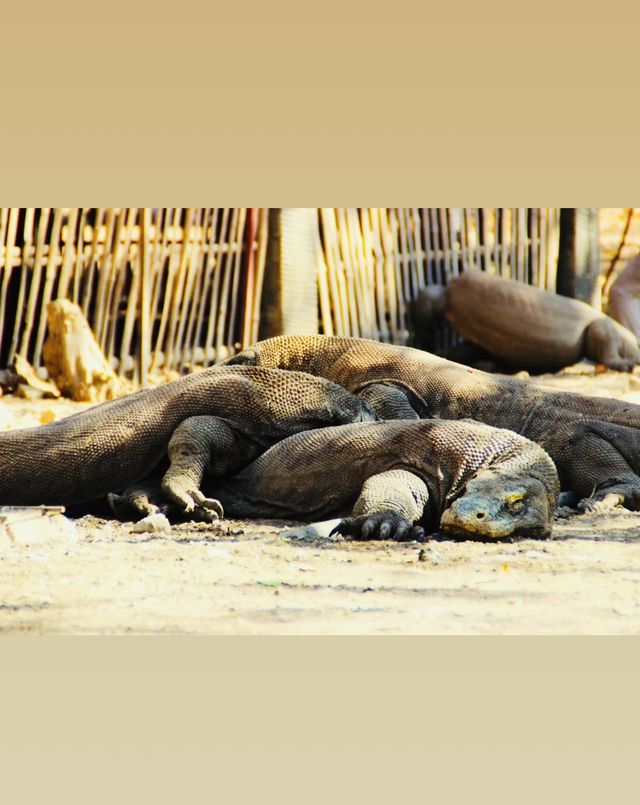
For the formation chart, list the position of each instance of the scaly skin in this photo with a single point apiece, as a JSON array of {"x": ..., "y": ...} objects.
[
  {"x": 400, "y": 479},
  {"x": 215, "y": 420},
  {"x": 594, "y": 442},
  {"x": 527, "y": 327}
]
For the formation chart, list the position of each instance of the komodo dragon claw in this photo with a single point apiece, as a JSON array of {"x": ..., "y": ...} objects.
[
  {"x": 191, "y": 501},
  {"x": 380, "y": 526}
]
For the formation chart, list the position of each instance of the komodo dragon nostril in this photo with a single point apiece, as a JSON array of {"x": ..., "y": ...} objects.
[{"x": 480, "y": 515}]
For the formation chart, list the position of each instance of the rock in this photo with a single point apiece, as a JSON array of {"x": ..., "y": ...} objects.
[
  {"x": 32, "y": 525},
  {"x": 313, "y": 531},
  {"x": 74, "y": 359},
  {"x": 152, "y": 524}
]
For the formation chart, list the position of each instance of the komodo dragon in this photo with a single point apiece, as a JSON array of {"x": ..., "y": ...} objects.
[
  {"x": 624, "y": 297},
  {"x": 594, "y": 442},
  {"x": 215, "y": 420},
  {"x": 527, "y": 327},
  {"x": 404, "y": 478}
]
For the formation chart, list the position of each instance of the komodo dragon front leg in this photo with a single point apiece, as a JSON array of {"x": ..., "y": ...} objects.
[
  {"x": 389, "y": 507},
  {"x": 199, "y": 445}
]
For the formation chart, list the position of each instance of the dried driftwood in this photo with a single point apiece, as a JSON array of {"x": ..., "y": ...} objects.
[{"x": 73, "y": 359}]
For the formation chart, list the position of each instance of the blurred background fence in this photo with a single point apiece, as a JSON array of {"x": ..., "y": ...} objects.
[
  {"x": 180, "y": 286},
  {"x": 173, "y": 288},
  {"x": 375, "y": 260}
]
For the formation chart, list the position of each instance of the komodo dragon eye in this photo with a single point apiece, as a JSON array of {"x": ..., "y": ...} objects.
[{"x": 516, "y": 503}]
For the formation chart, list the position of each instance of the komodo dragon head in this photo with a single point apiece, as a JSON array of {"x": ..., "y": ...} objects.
[
  {"x": 494, "y": 507},
  {"x": 297, "y": 401}
]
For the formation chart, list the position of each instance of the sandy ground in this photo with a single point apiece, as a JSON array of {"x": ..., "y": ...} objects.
[{"x": 247, "y": 578}]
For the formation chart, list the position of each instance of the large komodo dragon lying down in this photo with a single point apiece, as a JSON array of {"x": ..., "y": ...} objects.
[
  {"x": 214, "y": 420},
  {"x": 594, "y": 442},
  {"x": 402, "y": 479},
  {"x": 526, "y": 327}
]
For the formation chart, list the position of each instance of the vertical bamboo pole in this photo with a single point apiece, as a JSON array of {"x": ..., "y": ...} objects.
[
  {"x": 337, "y": 282},
  {"x": 122, "y": 274},
  {"x": 94, "y": 256},
  {"x": 522, "y": 245},
  {"x": 178, "y": 287},
  {"x": 168, "y": 296},
  {"x": 373, "y": 224},
  {"x": 145, "y": 299},
  {"x": 393, "y": 281},
  {"x": 67, "y": 254},
  {"x": 204, "y": 309},
  {"x": 223, "y": 304},
  {"x": 213, "y": 312},
  {"x": 553, "y": 245},
  {"x": 79, "y": 257},
  {"x": 260, "y": 266},
  {"x": 252, "y": 227},
  {"x": 27, "y": 264},
  {"x": 200, "y": 283},
  {"x": 421, "y": 262},
  {"x": 8, "y": 265},
  {"x": 535, "y": 267},
  {"x": 36, "y": 273},
  {"x": 324, "y": 291},
  {"x": 235, "y": 284},
  {"x": 429, "y": 257},
  {"x": 444, "y": 229},
  {"x": 105, "y": 269},
  {"x": 192, "y": 270},
  {"x": 50, "y": 278}
]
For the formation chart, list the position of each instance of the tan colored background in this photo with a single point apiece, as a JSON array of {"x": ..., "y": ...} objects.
[{"x": 287, "y": 103}]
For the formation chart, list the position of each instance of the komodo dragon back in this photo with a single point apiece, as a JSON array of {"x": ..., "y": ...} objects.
[{"x": 112, "y": 445}]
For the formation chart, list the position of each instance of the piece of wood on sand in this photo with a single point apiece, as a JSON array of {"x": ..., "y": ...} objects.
[{"x": 74, "y": 359}]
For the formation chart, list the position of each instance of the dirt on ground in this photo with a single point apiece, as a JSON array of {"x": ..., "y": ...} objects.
[{"x": 238, "y": 577}]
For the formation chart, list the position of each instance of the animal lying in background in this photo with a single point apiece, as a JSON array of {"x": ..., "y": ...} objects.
[
  {"x": 212, "y": 420},
  {"x": 594, "y": 442},
  {"x": 624, "y": 297},
  {"x": 401, "y": 479},
  {"x": 525, "y": 327}
]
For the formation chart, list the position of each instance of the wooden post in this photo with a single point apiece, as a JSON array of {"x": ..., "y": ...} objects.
[
  {"x": 579, "y": 255},
  {"x": 290, "y": 296}
]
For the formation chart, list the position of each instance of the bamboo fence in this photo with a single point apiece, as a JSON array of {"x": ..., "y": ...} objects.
[
  {"x": 173, "y": 288},
  {"x": 163, "y": 288},
  {"x": 377, "y": 259}
]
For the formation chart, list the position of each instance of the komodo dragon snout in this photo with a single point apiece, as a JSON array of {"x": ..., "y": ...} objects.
[{"x": 489, "y": 509}]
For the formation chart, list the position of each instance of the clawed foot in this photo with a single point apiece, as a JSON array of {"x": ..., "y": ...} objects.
[
  {"x": 193, "y": 503},
  {"x": 597, "y": 505},
  {"x": 382, "y": 525},
  {"x": 138, "y": 503},
  {"x": 175, "y": 502}
]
